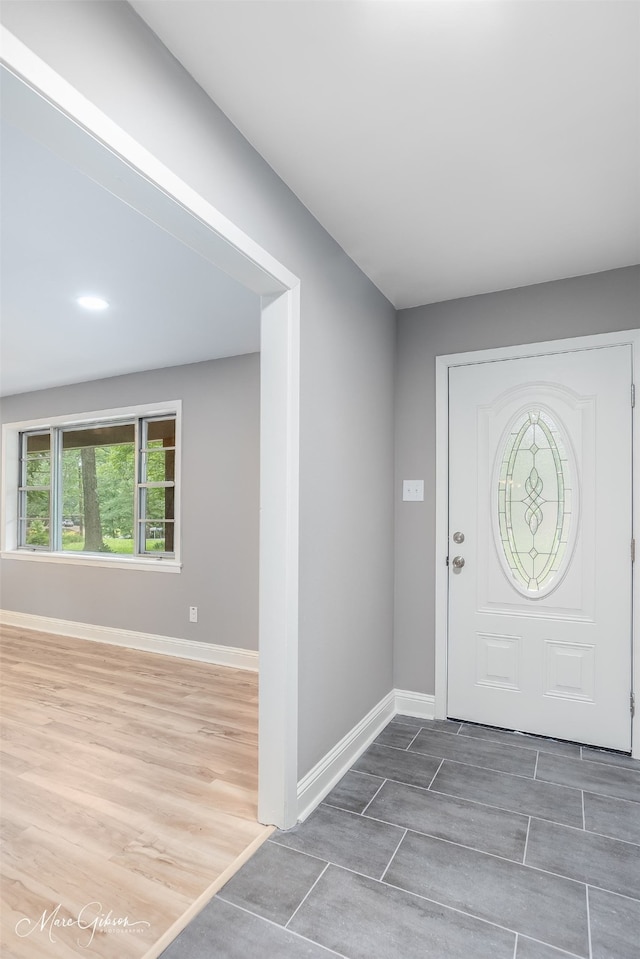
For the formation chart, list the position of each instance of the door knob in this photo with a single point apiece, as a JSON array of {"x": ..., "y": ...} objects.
[
  {"x": 457, "y": 562},
  {"x": 458, "y": 537}
]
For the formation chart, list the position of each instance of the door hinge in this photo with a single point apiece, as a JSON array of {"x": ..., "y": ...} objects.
[
  {"x": 633, "y": 394},
  {"x": 633, "y": 550},
  {"x": 632, "y": 704}
]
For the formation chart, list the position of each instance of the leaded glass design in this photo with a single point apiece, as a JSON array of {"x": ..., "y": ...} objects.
[{"x": 534, "y": 500}]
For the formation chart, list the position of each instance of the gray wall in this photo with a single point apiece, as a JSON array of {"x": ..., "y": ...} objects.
[
  {"x": 347, "y": 349},
  {"x": 220, "y": 503},
  {"x": 598, "y": 303}
]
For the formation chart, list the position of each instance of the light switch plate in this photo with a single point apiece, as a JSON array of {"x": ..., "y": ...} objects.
[{"x": 413, "y": 490}]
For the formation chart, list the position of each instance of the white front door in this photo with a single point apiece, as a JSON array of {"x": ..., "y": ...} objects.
[{"x": 540, "y": 545}]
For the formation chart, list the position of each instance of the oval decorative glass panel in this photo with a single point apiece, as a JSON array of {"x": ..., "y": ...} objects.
[{"x": 534, "y": 501}]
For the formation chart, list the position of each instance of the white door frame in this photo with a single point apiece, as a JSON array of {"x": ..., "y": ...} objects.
[
  {"x": 228, "y": 248},
  {"x": 443, "y": 363}
]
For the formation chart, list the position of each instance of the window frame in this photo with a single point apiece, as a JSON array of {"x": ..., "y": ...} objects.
[
  {"x": 24, "y": 488},
  {"x": 12, "y": 478}
]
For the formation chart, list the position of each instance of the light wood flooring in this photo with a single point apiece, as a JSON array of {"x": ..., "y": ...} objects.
[{"x": 129, "y": 792}]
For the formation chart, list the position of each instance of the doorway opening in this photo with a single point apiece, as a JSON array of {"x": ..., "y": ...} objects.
[{"x": 119, "y": 163}]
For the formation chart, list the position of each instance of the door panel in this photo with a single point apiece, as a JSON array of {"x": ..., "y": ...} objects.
[{"x": 540, "y": 488}]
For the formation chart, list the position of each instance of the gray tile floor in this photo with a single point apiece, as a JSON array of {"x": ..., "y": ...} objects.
[{"x": 445, "y": 841}]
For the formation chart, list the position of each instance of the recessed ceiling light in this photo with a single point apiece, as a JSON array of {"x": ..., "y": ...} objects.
[{"x": 92, "y": 302}]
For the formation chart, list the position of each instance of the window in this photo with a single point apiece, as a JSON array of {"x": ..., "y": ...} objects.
[
  {"x": 98, "y": 487},
  {"x": 534, "y": 501}
]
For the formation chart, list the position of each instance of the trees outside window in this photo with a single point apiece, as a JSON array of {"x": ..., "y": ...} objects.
[{"x": 95, "y": 488}]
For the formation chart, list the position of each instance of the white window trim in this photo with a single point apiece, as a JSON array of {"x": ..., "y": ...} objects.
[{"x": 9, "y": 494}]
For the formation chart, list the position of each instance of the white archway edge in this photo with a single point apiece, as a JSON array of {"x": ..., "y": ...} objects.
[
  {"x": 196, "y": 222},
  {"x": 234, "y": 252},
  {"x": 443, "y": 363},
  {"x": 278, "y": 610}
]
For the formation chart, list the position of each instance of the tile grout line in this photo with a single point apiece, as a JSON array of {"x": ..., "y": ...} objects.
[
  {"x": 525, "y": 744},
  {"x": 416, "y": 895},
  {"x": 503, "y": 772},
  {"x": 589, "y": 832},
  {"x": 478, "y": 918},
  {"x": 461, "y": 762},
  {"x": 415, "y": 721},
  {"x": 562, "y": 953},
  {"x": 559, "y": 875},
  {"x": 434, "y": 775},
  {"x": 584, "y": 821},
  {"x": 604, "y": 835},
  {"x": 301, "y": 852},
  {"x": 421, "y": 752},
  {"x": 611, "y": 765},
  {"x": 594, "y": 761},
  {"x": 452, "y": 842},
  {"x": 417, "y": 832},
  {"x": 425, "y": 728},
  {"x": 437, "y": 902},
  {"x": 409, "y": 745},
  {"x": 590, "y": 789},
  {"x": 495, "y": 855},
  {"x": 526, "y": 843},
  {"x": 589, "y": 924},
  {"x": 490, "y": 922},
  {"x": 590, "y": 792},
  {"x": 515, "y": 946},
  {"x": 359, "y": 772},
  {"x": 305, "y": 897},
  {"x": 608, "y": 766},
  {"x": 277, "y": 925},
  {"x": 386, "y": 869},
  {"x": 373, "y": 797},
  {"x": 528, "y": 737},
  {"x": 477, "y": 802},
  {"x": 593, "y": 885}
]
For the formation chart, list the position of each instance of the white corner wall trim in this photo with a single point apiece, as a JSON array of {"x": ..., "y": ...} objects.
[
  {"x": 150, "y": 643},
  {"x": 421, "y": 705},
  {"x": 320, "y": 780}
]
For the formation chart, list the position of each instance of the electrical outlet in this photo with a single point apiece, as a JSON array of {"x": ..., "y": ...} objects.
[{"x": 193, "y": 614}]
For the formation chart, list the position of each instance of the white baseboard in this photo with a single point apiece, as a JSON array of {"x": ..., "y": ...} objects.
[
  {"x": 165, "y": 645},
  {"x": 320, "y": 780},
  {"x": 408, "y": 703}
]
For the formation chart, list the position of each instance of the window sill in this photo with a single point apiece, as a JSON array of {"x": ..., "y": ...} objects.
[{"x": 106, "y": 562}]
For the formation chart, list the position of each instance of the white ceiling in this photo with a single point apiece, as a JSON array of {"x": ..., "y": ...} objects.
[
  {"x": 64, "y": 235},
  {"x": 451, "y": 148}
]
